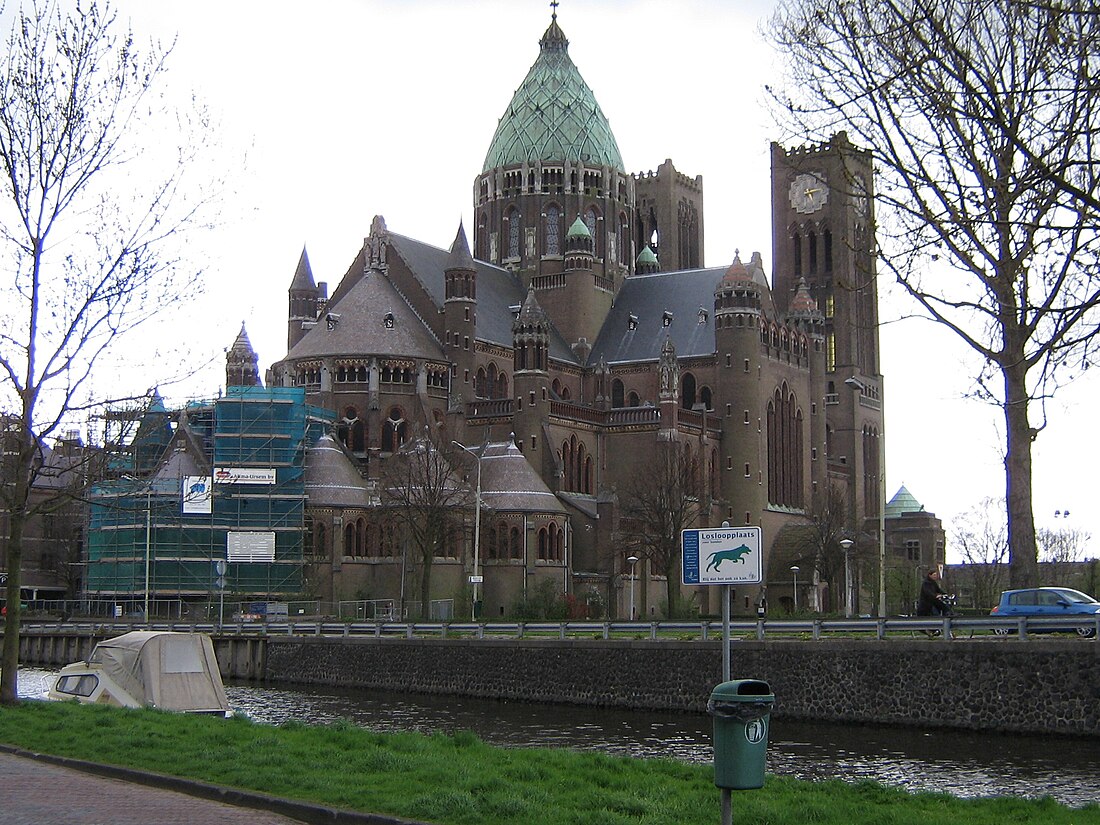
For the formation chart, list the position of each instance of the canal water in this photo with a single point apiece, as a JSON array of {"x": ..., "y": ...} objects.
[{"x": 958, "y": 763}]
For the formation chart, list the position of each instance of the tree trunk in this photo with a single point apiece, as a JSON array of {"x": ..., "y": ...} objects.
[
  {"x": 9, "y": 661},
  {"x": 1023, "y": 568}
]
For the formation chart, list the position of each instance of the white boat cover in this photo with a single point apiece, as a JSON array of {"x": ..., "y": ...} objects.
[{"x": 172, "y": 671}]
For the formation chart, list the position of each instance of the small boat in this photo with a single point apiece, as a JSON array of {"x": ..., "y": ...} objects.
[{"x": 146, "y": 668}]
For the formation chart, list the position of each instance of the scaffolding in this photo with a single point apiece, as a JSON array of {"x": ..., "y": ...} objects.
[{"x": 254, "y": 442}]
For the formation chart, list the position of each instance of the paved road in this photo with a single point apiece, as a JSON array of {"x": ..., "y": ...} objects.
[{"x": 37, "y": 792}]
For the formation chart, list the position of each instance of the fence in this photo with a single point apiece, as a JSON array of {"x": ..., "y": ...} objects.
[{"x": 946, "y": 629}]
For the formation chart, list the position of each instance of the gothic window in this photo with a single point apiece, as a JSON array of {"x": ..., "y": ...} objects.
[
  {"x": 616, "y": 393},
  {"x": 481, "y": 386},
  {"x": 592, "y": 221},
  {"x": 349, "y": 539},
  {"x": 553, "y": 231},
  {"x": 350, "y": 431},
  {"x": 870, "y": 470},
  {"x": 543, "y": 542},
  {"x": 827, "y": 239},
  {"x": 633, "y": 400},
  {"x": 785, "y": 449},
  {"x": 796, "y": 247},
  {"x": 515, "y": 230},
  {"x": 502, "y": 385},
  {"x": 812, "y": 240},
  {"x": 515, "y": 545},
  {"x": 687, "y": 391},
  {"x": 624, "y": 239},
  {"x": 482, "y": 251},
  {"x": 705, "y": 397},
  {"x": 394, "y": 431}
]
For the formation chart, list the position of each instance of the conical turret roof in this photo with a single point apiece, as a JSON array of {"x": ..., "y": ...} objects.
[
  {"x": 553, "y": 115},
  {"x": 303, "y": 275},
  {"x": 460, "y": 257},
  {"x": 903, "y": 502}
]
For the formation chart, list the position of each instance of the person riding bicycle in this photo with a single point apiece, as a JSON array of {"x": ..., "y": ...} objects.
[{"x": 933, "y": 598}]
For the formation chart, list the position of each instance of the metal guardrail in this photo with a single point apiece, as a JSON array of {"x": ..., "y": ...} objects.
[{"x": 761, "y": 630}]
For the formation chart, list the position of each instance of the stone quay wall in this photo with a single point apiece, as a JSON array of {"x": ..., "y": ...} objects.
[{"x": 1047, "y": 686}]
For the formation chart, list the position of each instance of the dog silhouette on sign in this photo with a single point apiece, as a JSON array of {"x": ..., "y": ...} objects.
[{"x": 737, "y": 554}]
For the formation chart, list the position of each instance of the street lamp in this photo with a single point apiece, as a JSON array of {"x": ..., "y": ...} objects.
[
  {"x": 846, "y": 546},
  {"x": 632, "y": 560},
  {"x": 794, "y": 571},
  {"x": 858, "y": 386},
  {"x": 475, "y": 579}
]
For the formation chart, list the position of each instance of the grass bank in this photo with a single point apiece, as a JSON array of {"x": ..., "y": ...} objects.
[{"x": 459, "y": 780}]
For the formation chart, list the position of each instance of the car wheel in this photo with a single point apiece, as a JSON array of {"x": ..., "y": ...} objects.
[
  {"x": 1086, "y": 632},
  {"x": 1001, "y": 631}
]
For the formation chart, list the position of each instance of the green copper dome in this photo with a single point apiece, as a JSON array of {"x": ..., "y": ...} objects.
[{"x": 553, "y": 115}]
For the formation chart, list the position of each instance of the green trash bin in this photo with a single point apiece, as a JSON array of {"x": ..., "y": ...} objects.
[{"x": 741, "y": 710}]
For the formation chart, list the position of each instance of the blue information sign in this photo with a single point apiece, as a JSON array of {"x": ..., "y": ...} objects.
[{"x": 722, "y": 555}]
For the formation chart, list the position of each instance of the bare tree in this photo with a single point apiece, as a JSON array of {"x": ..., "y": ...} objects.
[
  {"x": 982, "y": 115},
  {"x": 88, "y": 222},
  {"x": 1061, "y": 551},
  {"x": 657, "y": 506},
  {"x": 981, "y": 538},
  {"x": 423, "y": 485}
]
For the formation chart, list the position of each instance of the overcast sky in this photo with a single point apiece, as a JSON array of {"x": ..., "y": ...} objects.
[{"x": 346, "y": 109}]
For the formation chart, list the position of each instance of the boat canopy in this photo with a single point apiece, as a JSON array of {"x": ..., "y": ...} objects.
[{"x": 173, "y": 671}]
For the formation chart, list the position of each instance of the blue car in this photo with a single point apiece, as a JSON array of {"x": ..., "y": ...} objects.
[{"x": 1046, "y": 602}]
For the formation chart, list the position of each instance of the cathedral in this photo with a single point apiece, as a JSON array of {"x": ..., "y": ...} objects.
[{"x": 573, "y": 347}]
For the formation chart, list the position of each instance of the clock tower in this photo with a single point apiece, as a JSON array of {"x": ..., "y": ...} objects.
[{"x": 823, "y": 236}]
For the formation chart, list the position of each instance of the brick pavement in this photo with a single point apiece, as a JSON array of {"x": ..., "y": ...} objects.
[{"x": 37, "y": 790}]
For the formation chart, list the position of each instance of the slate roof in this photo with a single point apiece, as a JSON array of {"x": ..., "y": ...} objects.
[
  {"x": 360, "y": 328},
  {"x": 553, "y": 115},
  {"x": 498, "y": 290},
  {"x": 509, "y": 483},
  {"x": 331, "y": 480},
  {"x": 648, "y": 298}
]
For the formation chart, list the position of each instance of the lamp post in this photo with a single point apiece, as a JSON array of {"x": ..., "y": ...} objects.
[
  {"x": 794, "y": 572},
  {"x": 846, "y": 546},
  {"x": 632, "y": 560},
  {"x": 475, "y": 578},
  {"x": 858, "y": 387},
  {"x": 148, "y": 543}
]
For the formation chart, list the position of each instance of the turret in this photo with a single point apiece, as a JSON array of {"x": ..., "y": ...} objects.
[
  {"x": 647, "y": 263},
  {"x": 531, "y": 345},
  {"x": 737, "y": 331},
  {"x": 460, "y": 315},
  {"x": 304, "y": 302},
  {"x": 241, "y": 363}
]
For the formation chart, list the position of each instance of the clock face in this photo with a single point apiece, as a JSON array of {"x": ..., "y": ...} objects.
[{"x": 808, "y": 193}]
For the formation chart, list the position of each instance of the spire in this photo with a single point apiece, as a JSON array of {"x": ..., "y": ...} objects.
[
  {"x": 240, "y": 362},
  {"x": 303, "y": 275},
  {"x": 460, "y": 257},
  {"x": 553, "y": 39},
  {"x": 803, "y": 303}
]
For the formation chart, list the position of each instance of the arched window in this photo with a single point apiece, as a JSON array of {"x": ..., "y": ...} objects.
[
  {"x": 502, "y": 386},
  {"x": 624, "y": 239},
  {"x": 796, "y": 247},
  {"x": 543, "y": 543},
  {"x": 705, "y": 397},
  {"x": 515, "y": 545},
  {"x": 632, "y": 400},
  {"x": 350, "y": 431},
  {"x": 394, "y": 431},
  {"x": 481, "y": 385},
  {"x": 587, "y": 479},
  {"x": 515, "y": 230},
  {"x": 687, "y": 391},
  {"x": 567, "y": 466},
  {"x": 616, "y": 393},
  {"x": 349, "y": 539},
  {"x": 812, "y": 240},
  {"x": 581, "y": 463},
  {"x": 592, "y": 221},
  {"x": 785, "y": 474},
  {"x": 552, "y": 245}
]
